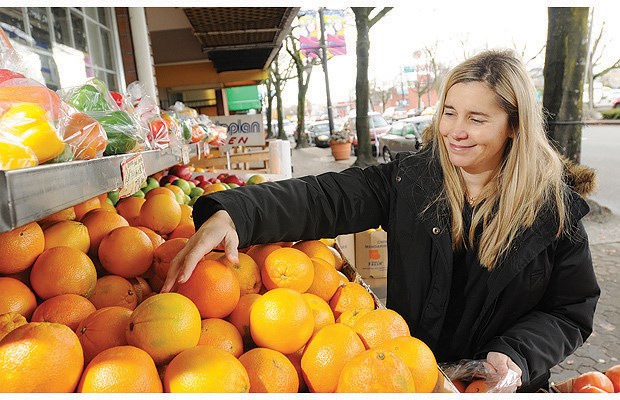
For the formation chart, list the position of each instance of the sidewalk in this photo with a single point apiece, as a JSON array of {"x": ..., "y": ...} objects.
[{"x": 602, "y": 349}]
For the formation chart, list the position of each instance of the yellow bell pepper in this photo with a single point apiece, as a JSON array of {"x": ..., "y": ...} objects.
[
  {"x": 14, "y": 155},
  {"x": 30, "y": 124}
]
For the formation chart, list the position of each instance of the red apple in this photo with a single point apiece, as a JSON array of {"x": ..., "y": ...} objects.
[
  {"x": 233, "y": 179},
  {"x": 204, "y": 184},
  {"x": 222, "y": 176},
  {"x": 167, "y": 179},
  {"x": 200, "y": 178},
  {"x": 214, "y": 180},
  {"x": 182, "y": 171},
  {"x": 195, "y": 181}
]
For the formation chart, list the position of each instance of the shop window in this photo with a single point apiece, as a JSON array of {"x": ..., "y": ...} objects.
[
  {"x": 12, "y": 21},
  {"x": 79, "y": 32},
  {"x": 62, "y": 32},
  {"x": 39, "y": 27}
]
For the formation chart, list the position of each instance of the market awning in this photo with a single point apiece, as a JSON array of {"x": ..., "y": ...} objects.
[{"x": 232, "y": 38}]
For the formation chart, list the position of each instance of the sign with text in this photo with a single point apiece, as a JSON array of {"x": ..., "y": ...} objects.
[{"x": 242, "y": 130}]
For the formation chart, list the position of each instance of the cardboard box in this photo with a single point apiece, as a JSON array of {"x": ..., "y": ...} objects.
[
  {"x": 346, "y": 245},
  {"x": 371, "y": 255}
]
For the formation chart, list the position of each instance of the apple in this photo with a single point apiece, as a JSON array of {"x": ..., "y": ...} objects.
[
  {"x": 214, "y": 180},
  {"x": 167, "y": 179},
  {"x": 256, "y": 179},
  {"x": 182, "y": 171},
  {"x": 204, "y": 184},
  {"x": 222, "y": 176},
  {"x": 233, "y": 179}
]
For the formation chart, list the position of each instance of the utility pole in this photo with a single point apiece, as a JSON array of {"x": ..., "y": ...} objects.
[{"x": 324, "y": 62}]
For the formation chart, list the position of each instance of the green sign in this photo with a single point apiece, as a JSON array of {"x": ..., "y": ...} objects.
[{"x": 243, "y": 98}]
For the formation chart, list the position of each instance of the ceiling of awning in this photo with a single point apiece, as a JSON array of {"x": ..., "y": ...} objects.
[{"x": 232, "y": 38}]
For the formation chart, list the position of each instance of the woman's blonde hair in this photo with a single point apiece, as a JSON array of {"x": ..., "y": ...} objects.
[{"x": 528, "y": 180}]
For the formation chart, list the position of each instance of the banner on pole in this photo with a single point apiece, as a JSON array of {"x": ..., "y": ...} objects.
[
  {"x": 334, "y": 32},
  {"x": 309, "y": 44}
]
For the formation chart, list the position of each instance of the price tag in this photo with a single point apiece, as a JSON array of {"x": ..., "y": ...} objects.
[
  {"x": 185, "y": 154},
  {"x": 133, "y": 175}
]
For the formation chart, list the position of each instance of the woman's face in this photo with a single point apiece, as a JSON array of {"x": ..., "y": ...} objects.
[{"x": 474, "y": 127}]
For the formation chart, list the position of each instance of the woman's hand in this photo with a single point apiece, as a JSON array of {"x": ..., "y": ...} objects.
[
  {"x": 508, "y": 372},
  {"x": 217, "y": 231}
]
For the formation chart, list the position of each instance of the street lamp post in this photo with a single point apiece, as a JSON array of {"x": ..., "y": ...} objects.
[{"x": 324, "y": 63}]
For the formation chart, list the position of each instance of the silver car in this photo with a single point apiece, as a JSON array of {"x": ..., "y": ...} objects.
[{"x": 404, "y": 135}]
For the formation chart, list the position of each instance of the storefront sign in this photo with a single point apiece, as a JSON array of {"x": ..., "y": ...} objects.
[{"x": 243, "y": 130}]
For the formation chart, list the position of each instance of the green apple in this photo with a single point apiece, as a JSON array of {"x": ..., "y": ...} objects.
[
  {"x": 113, "y": 196},
  {"x": 151, "y": 183},
  {"x": 139, "y": 193},
  {"x": 183, "y": 184},
  {"x": 196, "y": 192},
  {"x": 186, "y": 199},
  {"x": 232, "y": 185}
]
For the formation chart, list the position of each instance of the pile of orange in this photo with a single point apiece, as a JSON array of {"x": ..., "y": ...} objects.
[{"x": 79, "y": 292}]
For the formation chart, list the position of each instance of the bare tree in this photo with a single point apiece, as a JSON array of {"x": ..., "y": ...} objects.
[
  {"x": 278, "y": 76},
  {"x": 564, "y": 70},
  {"x": 363, "y": 23},
  {"x": 303, "y": 67},
  {"x": 382, "y": 94}
]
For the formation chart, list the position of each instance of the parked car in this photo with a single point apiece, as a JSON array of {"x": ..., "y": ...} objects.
[
  {"x": 378, "y": 126},
  {"x": 318, "y": 133},
  {"x": 405, "y": 135},
  {"x": 394, "y": 113}
]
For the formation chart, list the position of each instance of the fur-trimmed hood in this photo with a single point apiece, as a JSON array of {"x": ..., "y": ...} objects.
[{"x": 581, "y": 178}]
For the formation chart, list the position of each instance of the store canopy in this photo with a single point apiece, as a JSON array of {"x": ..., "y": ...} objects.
[{"x": 232, "y": 38}]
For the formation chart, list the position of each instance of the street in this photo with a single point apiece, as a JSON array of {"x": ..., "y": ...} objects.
[{"x": 600, "y": 149}]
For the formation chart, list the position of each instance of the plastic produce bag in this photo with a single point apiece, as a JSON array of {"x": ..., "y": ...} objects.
[
  {"x": 482, "y": 375},
  {"x": 30, "y": 125},
  {"x": 149, "y": 114},
  {"x": 84, "y": 135},
  {"x": 93, "y": 96},
  {"x": 14, "y": 155},
  {"x": 124, "y": 134}
]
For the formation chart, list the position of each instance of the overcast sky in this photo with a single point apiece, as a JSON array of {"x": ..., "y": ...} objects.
[{"x": 454, "y": 29}]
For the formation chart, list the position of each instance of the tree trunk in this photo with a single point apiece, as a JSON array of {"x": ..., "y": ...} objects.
[
  {"x": 364, "y": 149},
  {"x": 269, "y": 85},
  {"x": 564, "y": 70}
]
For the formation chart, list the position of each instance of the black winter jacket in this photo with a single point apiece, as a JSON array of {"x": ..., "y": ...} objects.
[{"x": 541, "y": 297}]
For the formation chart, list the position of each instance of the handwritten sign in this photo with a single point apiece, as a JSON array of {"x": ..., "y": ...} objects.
[{"x": 133, "y": 175}]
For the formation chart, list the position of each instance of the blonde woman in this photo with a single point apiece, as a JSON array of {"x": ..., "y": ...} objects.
[{"x": 488, "y": 258}]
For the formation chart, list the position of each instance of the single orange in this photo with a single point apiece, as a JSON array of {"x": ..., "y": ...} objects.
[
  {"x": 343, "y": 278},
  {"x": 594, "y": 378},
  {"x": 67, "y": 233},
  {"x": 316, "y": 249},
  {"x": 270, "y": 371},
  {"x": 240, "y": 318},
  {"x": 62, "y": 215},
  {"x": 16, "y": 297},
  {"x": 103, "y": 329},
  {"x": 182, "y": 231},
  {"x": 326, "y": 279},
  {"x": 215, "y": 187},
  {"x": 155, "y": 237},
  {"x": 164, "y": 254},
  {"x": 350, "y": 295},
  {"x": 288, "y": 268},
  {"x": 160, "y": 190},
  {"x": 67, "y": 309},
  {"x": 10, "y": 321},
  {"x": 259, "y": 253},
  {"x": 129, "y": 208},
  {"x": 121, "y": 369},
  {"x": 613, "y": 374},
  {"x": 419, "y": 358},
  {"x": 61, "y": 270},
  {"x": 214, "y": 289},
  {"x": 295, "y": 359},
  {"x": 160, "y": 213},
  {"x": 338, "y": 259},
  {"x": 323, "y": 315},
  {"x": 477, "y": 386},
  {"x": 164, "y": 325},
  {"x": 380, "y": 325},
  {"x": 326, "y": 354},
  {"x": 205, "y": 369},
  {"x": 141, "y": 287},
  {"x": 114, "y": 290},
  {"x": 126, "y": 251},
  {"x": 375, "y": 371},
  {"x": 246, "y": 271},
  {"x": 350, "y": 316},
  {"x": 221, "y": 334},
  {"x": 41, "y": 357},
  {"x": 20, "y": 248},
  {"x": 281, "y": 320},
  {"x": 99, "y": 224},
  {"x": 186, "y": 215},
  {"x": 82, "y": 208}
]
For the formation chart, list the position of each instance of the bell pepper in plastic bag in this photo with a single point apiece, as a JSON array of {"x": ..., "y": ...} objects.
[
  {"x": 85, "y": 135},
  {"x": 88, "y": 98},
  {"x": 18, "y": 90},
  {"x": 122, "y": 132},
  {"x": 14, "y": 155},
  {"x": 30, "y": 124}
]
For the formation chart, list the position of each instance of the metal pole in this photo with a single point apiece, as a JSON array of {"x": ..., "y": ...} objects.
[{"x": 324, "y": 62}]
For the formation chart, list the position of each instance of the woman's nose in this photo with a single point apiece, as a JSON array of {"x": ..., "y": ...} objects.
[{"x": 457, "y": 131}]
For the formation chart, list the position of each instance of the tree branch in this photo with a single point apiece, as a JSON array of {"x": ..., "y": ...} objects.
[
  {"x": 378, "y": 16},
  {"x": 615, "y": 65}
]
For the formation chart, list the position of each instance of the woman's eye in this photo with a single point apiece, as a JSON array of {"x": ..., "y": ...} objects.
[{"x": 476, "y": 121}]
